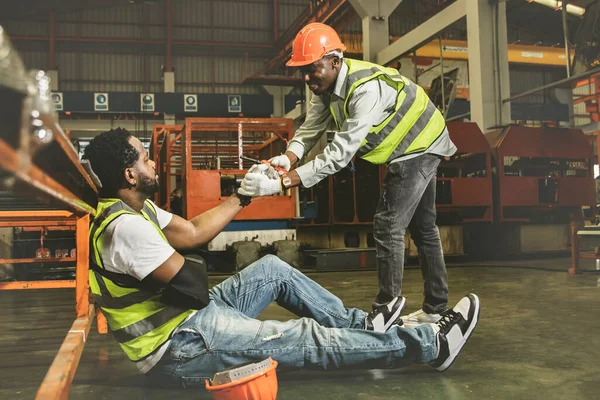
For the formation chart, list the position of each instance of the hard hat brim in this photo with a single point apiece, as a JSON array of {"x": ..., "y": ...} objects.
[{"x": 292, "y": 63}]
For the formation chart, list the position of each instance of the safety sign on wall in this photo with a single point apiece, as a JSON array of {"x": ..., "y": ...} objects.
[
  {"x": 100, "y": 101},
  {"x": 234, "y": 103},
  {"x": 147, "y": 102},
  {"x": 190, "y": 102},
  {"x": 455, "y": 49},
  {"x": 57, "y": 100}
]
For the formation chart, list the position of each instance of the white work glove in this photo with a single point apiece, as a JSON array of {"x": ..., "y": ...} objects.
[
  {"x": 282, "y": 161},
  {"x": 256, "y": 184},
  {"x": 264, "y": 169}
]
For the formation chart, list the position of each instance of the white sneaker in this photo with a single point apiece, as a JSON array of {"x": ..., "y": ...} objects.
[
  {"x": 386, "y": 315},
  {"x": 417, "y": 318},
  {"x": 454, "y": 329}
]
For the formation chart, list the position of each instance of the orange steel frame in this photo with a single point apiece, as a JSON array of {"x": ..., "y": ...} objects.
[
  {"x": 202, "y": 188},
  {"x": 50, "y": 220},
  {"x": 19, "y": 162},
  {"x": 592, "y": 100},
  {"x": 164, "y": 132}
]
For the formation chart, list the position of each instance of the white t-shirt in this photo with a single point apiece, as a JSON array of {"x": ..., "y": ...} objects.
[{"x": 134, "y": 247}]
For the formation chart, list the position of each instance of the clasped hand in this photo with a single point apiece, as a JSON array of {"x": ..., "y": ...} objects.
[{"x": 261, "y": 180}]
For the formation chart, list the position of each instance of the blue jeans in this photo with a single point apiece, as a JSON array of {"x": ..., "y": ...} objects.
[
  {"x": 408, "y": 201},
  {"x": 328, "y": 336}
]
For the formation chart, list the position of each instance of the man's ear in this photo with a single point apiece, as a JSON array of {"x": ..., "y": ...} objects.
[
  {"x": 130, "y": 176},
  {"x": 336, "y": 62}
]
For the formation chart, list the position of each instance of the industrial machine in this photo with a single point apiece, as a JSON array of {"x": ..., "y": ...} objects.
[
  {"x": 345, "y": 203},
  {"x": 542, "y": 174},
  {"x": 543, "y": 178}
]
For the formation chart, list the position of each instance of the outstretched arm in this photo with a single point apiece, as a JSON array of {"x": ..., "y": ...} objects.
[
  {"x": 183, "y": 234},
  {"x": 365, "y": 110},
  {"x": 307, "y": 135}
]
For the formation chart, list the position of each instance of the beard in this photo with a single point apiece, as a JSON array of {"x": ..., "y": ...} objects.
[{"x": 148, "y": 186}]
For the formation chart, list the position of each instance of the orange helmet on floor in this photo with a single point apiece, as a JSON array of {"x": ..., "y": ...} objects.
[
  {"x": 312, "y": 43},
  {"x": 257, "y": 381}
]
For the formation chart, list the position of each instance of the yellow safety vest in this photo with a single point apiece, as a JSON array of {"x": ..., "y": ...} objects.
[
  {"x": 411, "y": 127},
  {"x": 137, "y": 318}
]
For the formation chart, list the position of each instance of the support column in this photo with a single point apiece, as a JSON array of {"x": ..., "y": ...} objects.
[
  {"x": 169, "y": 82},
  {"x": 52, "y": 70},
  {"x": 278, "y": 93},
  {"x": 168, "y": 74},
  {"x": 375, "y": 25},
  {"x": 169, "y": 87},
  {"x": 169, "y": 32},
  {"x": 489, "y": 80},
  {"x": 275, "y": 20},
  {"x": 53, "y": 75}
]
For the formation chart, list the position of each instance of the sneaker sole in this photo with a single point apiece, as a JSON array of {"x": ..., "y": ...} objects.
[
  {"x": 395, "y": 316},
  {"x": 448, "y": 363}
]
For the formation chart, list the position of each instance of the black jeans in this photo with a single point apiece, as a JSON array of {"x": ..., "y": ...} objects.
[{"x": 408, "y": 201}]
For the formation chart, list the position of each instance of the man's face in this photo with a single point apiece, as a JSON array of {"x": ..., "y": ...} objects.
[
  {"x": 321, "y": 75},
  {"x": 147, "y": 178}
]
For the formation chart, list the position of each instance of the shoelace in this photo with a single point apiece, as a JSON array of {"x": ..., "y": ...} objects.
[{"x": 448, "y": 320}]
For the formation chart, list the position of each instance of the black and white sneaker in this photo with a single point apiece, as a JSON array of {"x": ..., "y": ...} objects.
[
  {"x": 454, "y": 329},
  {"x": 384, "y": 316}
]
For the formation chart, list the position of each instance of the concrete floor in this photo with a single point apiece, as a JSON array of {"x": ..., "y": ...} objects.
[{"x": 537, "y": 339}]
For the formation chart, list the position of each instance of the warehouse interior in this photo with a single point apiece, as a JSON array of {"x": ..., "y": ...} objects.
[{"x": 204, "y": 86}]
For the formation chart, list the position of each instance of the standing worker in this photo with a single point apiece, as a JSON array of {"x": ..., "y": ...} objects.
[{"x": 384, "y": 118}]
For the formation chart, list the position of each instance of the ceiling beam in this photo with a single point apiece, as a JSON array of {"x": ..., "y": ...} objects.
[
  {"x": 24, "y": 8},
  {"x": 423, "y": 33},
  {"x": 283, "y": 47}
]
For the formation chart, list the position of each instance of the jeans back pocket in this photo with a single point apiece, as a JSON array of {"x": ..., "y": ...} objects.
[{"x": 428, "y": 164}]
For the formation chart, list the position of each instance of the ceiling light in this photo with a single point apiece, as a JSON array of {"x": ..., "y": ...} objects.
[{"x": 557, "y": 5}]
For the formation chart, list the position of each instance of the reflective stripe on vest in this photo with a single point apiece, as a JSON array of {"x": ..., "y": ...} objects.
[
  {"x": 137, "y": 318},
  {"x": 411, "y": 127}
]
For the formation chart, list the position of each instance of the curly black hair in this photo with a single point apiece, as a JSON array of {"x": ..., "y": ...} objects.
[{"x": 110, "y": 153}]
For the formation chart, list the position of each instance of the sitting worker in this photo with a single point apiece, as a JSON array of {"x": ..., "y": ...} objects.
[
  {"x": 383, "y": 118},
  {"x": 166, "y": 319}
]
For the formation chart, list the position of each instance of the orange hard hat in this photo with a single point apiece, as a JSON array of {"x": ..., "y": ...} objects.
[
  {"x": 256, "y": 381},
  {"x": 312, "y": 43}
]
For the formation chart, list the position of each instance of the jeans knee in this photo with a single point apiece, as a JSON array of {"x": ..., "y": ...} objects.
[
  {"x": 388, "y": 234},
  {"x": 276, "y": 266},
  {"x": 430, "y": 233}
]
